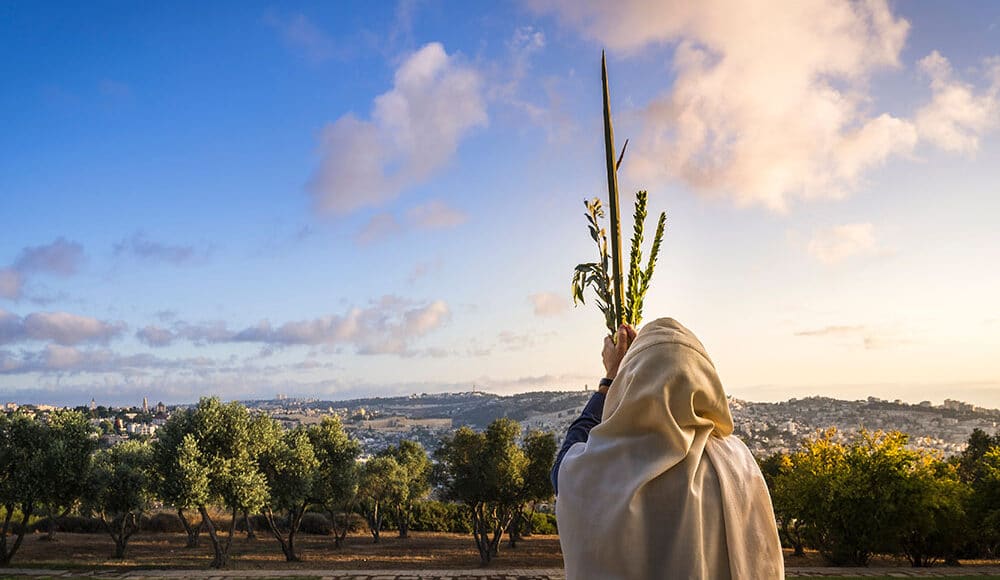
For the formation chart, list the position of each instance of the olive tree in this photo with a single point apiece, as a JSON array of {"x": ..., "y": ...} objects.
[
  {"x": 180, "y": 473},
  {"x": 540, "y": 449},
  {"x": 416, "y": 472},
  {"x": 229, "y": 440},
  {"x": 382, "y": 484},
  {"x": 118, "y": 490},
  {"x": 68, "y": 454},
  {"x": 23, "y": 445},
  {"x": 292, "y": 471},
  {"x": 336, "y": 486},
  {"x": 485, "y": 471}
]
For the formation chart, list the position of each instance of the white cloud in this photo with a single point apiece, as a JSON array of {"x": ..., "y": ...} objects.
[
  {"x": 435, "y": 214},
  {"x": 835, "y": 244},
  {"x": 59, "y": 327},
  {"x": 768, "y": 102},
  {"x": 957, "y": 115},
  {"x": 414, "y": 132},
  {"x": 548, "y": 304}
]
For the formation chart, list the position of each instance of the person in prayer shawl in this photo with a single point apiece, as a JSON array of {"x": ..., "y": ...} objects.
[{"x": 650, "y": 481}]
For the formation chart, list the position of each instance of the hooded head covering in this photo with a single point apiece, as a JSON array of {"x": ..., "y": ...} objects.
[{"x": 661, "y": 489}]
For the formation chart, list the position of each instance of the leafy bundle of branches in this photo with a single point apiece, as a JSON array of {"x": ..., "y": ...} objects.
[{"x": 597, "y": 275}]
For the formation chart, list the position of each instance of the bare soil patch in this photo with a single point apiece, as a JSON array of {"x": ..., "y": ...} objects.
[{"x": 421, "y": 551}]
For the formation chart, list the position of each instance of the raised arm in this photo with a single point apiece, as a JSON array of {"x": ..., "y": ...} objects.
[{"x": 579, "y": 431}]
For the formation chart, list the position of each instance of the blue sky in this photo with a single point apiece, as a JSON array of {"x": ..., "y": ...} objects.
[{"x": 336, "y": 199}]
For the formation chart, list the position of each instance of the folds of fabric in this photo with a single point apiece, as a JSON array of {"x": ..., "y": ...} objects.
[{"x": 661, "y": 489}]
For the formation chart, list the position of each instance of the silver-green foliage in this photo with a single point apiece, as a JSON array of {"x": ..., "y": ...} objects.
[
  {"x": 120, "y": 490},
  {"x": 23, "y": 446},
  {"x": 292, "y": 473},
  {"x": 337, "y": 485},
  {"x": 596, "y": 274},
  {"x": 485, "y": 471}
]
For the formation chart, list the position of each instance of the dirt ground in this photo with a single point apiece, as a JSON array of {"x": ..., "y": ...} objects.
[{"x": 423, "y": 550}]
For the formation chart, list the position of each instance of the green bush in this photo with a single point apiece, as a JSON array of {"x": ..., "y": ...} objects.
[
  {"x": 544, "y": 524},
  {"x": 315, "y": 523},
  {"x": 355, "y": 522},
  {"x": 438, "y": 516},
  {"x": 70, "y": 525},
  {"x": 164, "y": 522}
]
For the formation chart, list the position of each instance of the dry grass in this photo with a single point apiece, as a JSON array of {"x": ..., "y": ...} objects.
[{"x": 423, "y": 550}]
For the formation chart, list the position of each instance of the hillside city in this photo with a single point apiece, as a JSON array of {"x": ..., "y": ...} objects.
[{"x": 380, "y": 422}]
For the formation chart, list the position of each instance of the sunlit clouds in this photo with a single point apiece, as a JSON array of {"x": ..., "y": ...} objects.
[
  {"x": 414, "y": 131},
  {"x": 772, "y": 103}
]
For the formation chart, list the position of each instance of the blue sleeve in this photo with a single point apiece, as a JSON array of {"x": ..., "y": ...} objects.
[{"x": 578, "y": 432}]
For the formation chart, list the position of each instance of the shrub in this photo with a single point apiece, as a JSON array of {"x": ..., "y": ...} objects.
[
  {"x": 315, "y": 523},
  {"x": 544, "y": 524},
  {"x": 438, "y": 516},
  {"x": 355, "y": 522},
  {"x": 259, "y": 523},
  {"x": 163, "y": 522},
  {"x": 70, "y": 525}
]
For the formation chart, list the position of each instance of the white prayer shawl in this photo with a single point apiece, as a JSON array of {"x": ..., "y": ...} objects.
[{"x": 661, "y": 489}]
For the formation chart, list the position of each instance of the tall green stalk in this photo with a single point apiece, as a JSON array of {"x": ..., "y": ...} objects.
[
  {"x": 616, "y": 304},
  {"x": 612, "y": 168}
]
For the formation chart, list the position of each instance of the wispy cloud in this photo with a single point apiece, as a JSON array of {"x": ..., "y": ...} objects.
[
  {"x": 155, "y": 335},
  {"x": 11, "y": 283},
  {"x": 837, "y": 330},
  {"x": 388, "y": 325},
  {"x": 548, "y": 304},
  {"x": 60, "y": 258},
  {"x": 414, "y": 131},
  {"x": 838, "y": 243},
  {"x": 857, "y": 335},
  {"x": 432, "y": 215},
  {"x": 958, "y": 115},
  {"x": 60, "y": 359},
  {"x": 422, "y": 269},
  {"x": 59, "y": 327},
  {"x": 303, "y": 36},
  {"x": 141, "y": 247},
  {"x": 381, "y": 226}
]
